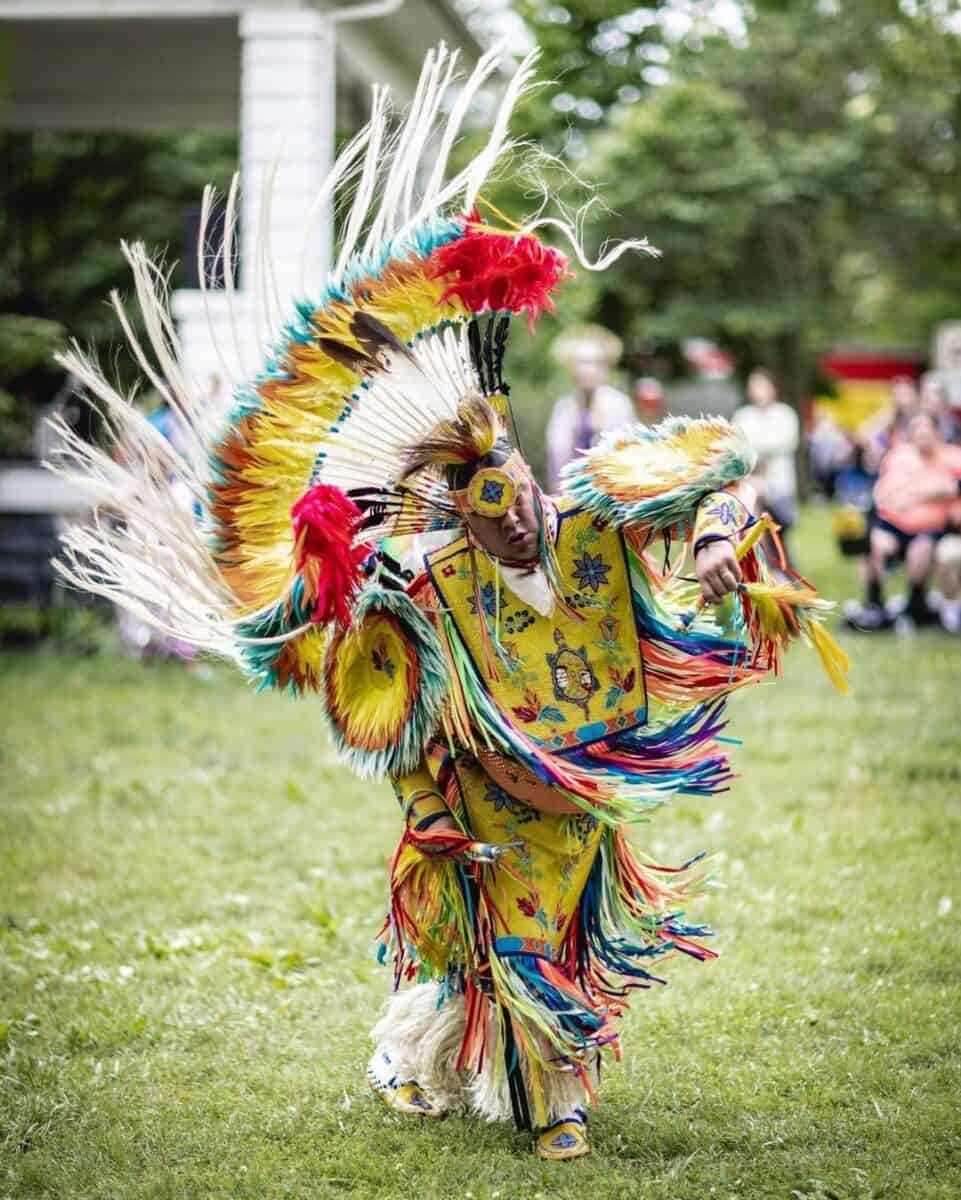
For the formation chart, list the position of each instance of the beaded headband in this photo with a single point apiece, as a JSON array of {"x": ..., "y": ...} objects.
[{"x": 492, "y": 490}]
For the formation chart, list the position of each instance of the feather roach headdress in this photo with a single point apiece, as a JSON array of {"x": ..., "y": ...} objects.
[{"x": 340, "y": 439}]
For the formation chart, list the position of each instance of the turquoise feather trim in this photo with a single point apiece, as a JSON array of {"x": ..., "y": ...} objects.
[
  {"x": 259, "y": 661},
  {"x": 426, "y": 706},
  {"x": 693, "y": 456}
]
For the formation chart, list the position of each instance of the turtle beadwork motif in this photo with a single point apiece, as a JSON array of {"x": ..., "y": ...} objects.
[{"x": 572, "y": 674}]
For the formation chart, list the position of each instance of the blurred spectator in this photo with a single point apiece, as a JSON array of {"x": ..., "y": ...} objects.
[
  {"x": 588, "y": 352},
  {"x": 879, "y": 436},
  {"x": 947, "y": 555},
  {"x": 830, "y": 452},
  {"x": 947, "y": 562},
  {"x": 933, "y": 400},
  {"x": 917, "y": 501},
  {"x": 650, "y": 403},
  {"x": 854, "y": 484},
  {"x": 772, "y": 429}
]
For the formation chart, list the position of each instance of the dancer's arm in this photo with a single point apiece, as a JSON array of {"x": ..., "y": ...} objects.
[
  {"x": 421, "y": 801},
  {"x": 431, "y": 826},
  {"x": 722, "y": 519}
]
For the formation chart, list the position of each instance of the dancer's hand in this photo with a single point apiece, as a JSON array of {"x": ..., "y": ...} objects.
[{"x": 717, "y": 570}]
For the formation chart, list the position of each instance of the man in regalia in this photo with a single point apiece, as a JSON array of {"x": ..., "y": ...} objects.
[{"x": 554, "y": 668}]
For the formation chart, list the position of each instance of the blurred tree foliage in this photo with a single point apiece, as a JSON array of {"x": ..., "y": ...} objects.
[
  {"x": 66, "y": 202},
  {"x": 26, "y": 344},
  {"x": 800, "y": 168}
]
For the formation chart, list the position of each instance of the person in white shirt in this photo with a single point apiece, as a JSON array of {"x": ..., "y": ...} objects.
[
  {"x": 772, "y": 429},
  {"x": 588, "y": 352}
]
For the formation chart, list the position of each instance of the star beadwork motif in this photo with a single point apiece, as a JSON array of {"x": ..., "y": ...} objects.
[
  {"x": 591, "y": 571},
  {"x": 488, "y": 600},
  {"x": 492, "y": 491}
]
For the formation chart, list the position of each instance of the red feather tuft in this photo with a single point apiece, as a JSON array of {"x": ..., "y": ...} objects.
[
  {"x": 325, "y": 522},
  {"x": 497, "y": 272}
]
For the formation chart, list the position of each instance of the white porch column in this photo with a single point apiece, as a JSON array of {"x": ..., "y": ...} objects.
[{"x": 287, "y": 119}]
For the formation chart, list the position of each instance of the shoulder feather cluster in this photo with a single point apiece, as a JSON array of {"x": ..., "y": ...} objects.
[{"x": 657, "y": 476}]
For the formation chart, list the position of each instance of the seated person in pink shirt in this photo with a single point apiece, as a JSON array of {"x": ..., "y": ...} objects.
[{"x": 917, "y": 500}]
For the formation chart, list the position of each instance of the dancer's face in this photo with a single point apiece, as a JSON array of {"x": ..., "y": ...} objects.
[{"x": 513, "y": 535}]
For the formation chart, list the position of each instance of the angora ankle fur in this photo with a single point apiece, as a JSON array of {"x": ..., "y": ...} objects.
[{"x": 424, "y": 1041}]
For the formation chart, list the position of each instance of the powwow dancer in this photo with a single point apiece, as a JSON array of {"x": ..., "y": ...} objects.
[{"x": 537, "y": 685}]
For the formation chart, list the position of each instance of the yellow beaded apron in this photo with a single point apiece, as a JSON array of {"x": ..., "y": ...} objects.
[{"x": 567, "y": 683}]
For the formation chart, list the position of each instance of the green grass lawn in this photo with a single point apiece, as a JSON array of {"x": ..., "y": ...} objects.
[{"x": 190, "y": 887}]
